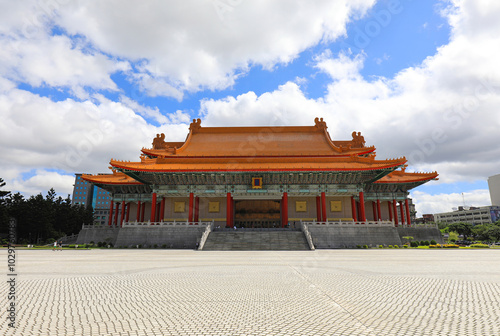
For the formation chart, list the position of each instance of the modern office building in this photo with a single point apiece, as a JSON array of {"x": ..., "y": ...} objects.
[
  {"x": 89, "y": 195},
  {"x": 473, "y": 215}
]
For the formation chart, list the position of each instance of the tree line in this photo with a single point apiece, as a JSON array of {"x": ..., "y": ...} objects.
[
  {"x": 41, "y": 220},
  {"x": 489, "y": 233}
]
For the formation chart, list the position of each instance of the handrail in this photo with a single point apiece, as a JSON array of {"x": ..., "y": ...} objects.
[
  {"x": 351, "y": 223},
  {"x": 306, "y": 232},
  {"x": 205, "y": 234},
  {"x": 156, "y": 224}
]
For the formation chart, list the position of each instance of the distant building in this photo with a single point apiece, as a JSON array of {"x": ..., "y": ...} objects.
[
  {"x": 494, "y": 185},
  {"x": 426, "y": 218},
  {"x": 89, "y": 195},
  {"x": 473, "y": 215}
]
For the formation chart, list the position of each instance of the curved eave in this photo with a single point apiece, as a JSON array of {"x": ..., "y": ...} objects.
[
  {"x": 164, "y": 154},
  {"x": 347, "y": 166},
  {"x": 111, "y": 179},
  {"x": 407, "y": 178}
]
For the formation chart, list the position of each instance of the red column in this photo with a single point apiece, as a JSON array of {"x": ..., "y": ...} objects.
[
  {"x": 362, "y": 207},
  {"x": 110, "y": 219},
  {"x": 127, "y": 217},
  {"x": 232, "y": 209},
  {"x": 191, "y": 203},
  {"x": 196, "y": 209},
  {"x": 153, "y": 207},
  {"x": 323, "y": 207},
  {"x": 395, "y": 208},
  {"x": 122, "y": 213},
  {"x": 138, "y": 215},
  {"x": 378, "y": 210},
  {"x": 228, "y": 210},
  {"x": 284, "y": 210},
  {"x": 389, "y": 206},
  {"x": 143, "y": 211},
  {"x": 353, "y": 208},
  {"x": 402, "y": 212},
  {"x": 116, "y": 213},
  {"x": 162, "y": 209},
  {"x": 408, "y": 217},
  {"x": 374, "y": 208},
  {"x": 318, "y": 209}
]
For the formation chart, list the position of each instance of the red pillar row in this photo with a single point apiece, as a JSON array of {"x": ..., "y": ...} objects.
[
  {"x": 318, "y": 209},
  {"x": 196, "y": 209},
  {"x": 284, "y": 210},
  {"x": 354, "y": 210},
  {"x": 153, "y": 208},
  {"x": 323, "y": 207},
  {"x": 190, "y": 213},
  {"x": 362, "y": 214},
  {"x": 389, "y": 207},
  {"x": 408, "y": 217},
  {"x": 138, "y": 214},
  {"x": 402, "y": 212},
  {"x": 110, "y": 218},
  {"x": 378, "y": 210},
  {"x": 117, "y": 208},
  {"x": 122, "y": 213},
  {"x": 127, "y": 217},
  {"x": 395, "y": 209},
  {"x": 374, "y": 208},
  {"x": 229, "y": 210},
  {"x": 162, "y": 209}
]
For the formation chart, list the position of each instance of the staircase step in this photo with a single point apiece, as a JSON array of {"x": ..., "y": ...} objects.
[{"x": 256, "y": 240}]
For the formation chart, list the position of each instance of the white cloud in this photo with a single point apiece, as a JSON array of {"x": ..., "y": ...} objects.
[
  {"x": 206, "y": 44},
  {"x": 431, "y": 204},
  {"x": 70, "y": 136},
  {"x": 43, "y": 181}
]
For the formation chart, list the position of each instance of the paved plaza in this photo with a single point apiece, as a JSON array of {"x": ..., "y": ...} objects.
[{"x": 323, "y": 292}]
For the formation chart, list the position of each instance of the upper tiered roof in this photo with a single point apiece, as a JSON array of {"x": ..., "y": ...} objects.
[
  {"x": 283, "y": 149},
  {"x": 269, "y": 141}
]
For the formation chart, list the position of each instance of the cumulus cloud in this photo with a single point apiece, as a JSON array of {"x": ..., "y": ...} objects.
[
  {"x": 206, "y": 44},
  {"x": 432, "y": 204},
  {"x": 70, "y": 136}
]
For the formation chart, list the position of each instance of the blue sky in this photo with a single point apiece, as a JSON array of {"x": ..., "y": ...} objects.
[{"x": 82, "y": 83}]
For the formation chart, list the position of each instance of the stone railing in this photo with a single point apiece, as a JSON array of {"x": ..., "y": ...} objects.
[
  {"x": 205, "y": 236},
  {"x": 351, "y": 223},
  {"x": 156, "y": 224},
  {"x": 99, "y": 226},
  {"x": 306, "y": 232},
  {"x": 422, "y": 226}
]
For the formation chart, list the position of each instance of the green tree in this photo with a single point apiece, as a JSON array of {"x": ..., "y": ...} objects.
[{"x": 461, "y": 228}]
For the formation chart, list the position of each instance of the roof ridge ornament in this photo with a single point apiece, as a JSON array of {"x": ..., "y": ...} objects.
[
  {"x": 195, "y": 125},
  {"x": 358, "y": 140},
  {"x": 159, "y": 141},
  {"x": 320, "y": 124}
]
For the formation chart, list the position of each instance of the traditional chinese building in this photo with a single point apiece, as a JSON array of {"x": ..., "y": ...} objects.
[{"x": 260, "y": 177}]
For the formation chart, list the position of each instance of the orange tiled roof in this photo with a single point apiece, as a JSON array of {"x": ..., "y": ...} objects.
[
  {"x": 115, "y": 178},
  {"x": 401, "y": 176},
  {"x": 279, "y": 141},
  {"x": 353, "y": 163}
]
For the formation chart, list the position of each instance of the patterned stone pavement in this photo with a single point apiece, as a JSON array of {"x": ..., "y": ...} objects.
[{"x": 323, "y": 292}]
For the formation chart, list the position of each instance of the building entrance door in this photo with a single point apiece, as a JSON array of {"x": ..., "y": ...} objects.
[{"x": 257, "y": 213}]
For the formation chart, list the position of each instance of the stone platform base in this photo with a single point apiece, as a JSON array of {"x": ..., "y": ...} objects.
[{"x": 348, "y": 237}]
